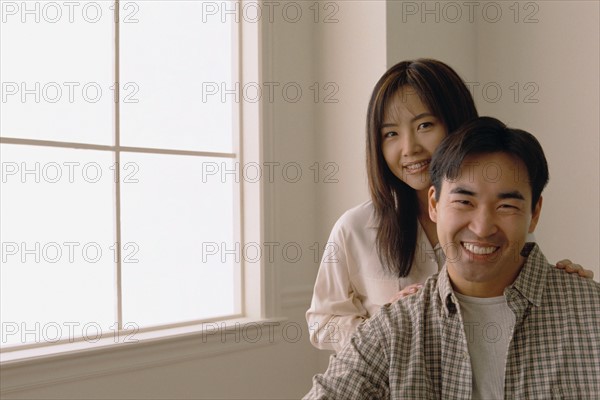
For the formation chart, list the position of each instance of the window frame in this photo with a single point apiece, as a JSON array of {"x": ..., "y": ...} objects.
[{"x": 252, "y": 199}]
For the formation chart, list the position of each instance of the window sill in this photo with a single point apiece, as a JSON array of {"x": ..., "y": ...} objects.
[{"x": 32, "y": 368}]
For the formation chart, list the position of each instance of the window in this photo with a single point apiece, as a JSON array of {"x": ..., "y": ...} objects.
[{"x": 119, "y": 206}]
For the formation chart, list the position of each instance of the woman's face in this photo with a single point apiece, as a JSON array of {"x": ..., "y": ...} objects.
[{"x": 410, "y": 135}]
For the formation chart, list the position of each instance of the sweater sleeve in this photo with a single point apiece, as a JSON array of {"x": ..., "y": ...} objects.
[{"x": 335, "y": 311}]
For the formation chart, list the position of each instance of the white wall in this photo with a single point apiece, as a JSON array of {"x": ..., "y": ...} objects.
[
  {"x": 559, "y": 57},
  {"x": 560, "y": 54},
  {"x": 533, "y": 65},
  {"x": 426, "y": 30}
]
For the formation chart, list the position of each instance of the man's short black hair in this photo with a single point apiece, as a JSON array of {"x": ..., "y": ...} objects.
[{"x": 486, "y": 135}]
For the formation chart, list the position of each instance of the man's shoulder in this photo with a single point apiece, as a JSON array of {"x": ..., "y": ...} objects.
[
  {"x": 570, "y": 295},
  {"x": 553, "y": 280},
  {"x": 415, "y": 306},
  {"x": 567, "y": 284},
  {"x": 397, "y": 325}
]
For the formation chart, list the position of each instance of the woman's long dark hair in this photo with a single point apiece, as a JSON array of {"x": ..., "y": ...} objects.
[{"x": 447, "y": 97}]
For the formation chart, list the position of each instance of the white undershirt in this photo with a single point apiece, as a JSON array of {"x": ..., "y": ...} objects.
[{"x": 488, "y": 324}]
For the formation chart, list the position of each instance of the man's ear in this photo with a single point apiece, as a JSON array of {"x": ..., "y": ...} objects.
[
  {"x": 432, "y": 204},
  {"x": 535, "y": 216}
]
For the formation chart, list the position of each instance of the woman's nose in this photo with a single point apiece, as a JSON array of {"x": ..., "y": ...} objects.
[{"x": 410, "y": 144}]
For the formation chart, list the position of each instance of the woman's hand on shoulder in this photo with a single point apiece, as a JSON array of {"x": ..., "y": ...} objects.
[
  {"x": 572, "y": 268},
  {"x": 407, "y": 291}
]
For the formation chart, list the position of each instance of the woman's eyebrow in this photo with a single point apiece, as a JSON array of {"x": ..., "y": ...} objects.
[
  {"x": 413, "y": 119},
  {"x": 422, "y": 115}
]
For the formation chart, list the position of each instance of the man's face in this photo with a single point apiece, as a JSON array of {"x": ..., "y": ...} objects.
[{"x": 483, "y": 217}]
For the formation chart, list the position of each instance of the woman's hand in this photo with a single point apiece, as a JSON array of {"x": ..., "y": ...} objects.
[
  {"x": 571, "y": 268},
  {"x": 407, "y": 291}
]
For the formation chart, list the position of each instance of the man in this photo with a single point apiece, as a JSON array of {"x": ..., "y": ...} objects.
[{"x": 498, "y": 321}]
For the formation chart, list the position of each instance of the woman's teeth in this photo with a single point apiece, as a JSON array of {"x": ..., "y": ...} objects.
[
  {"x": 417, "y": 165},
  {"x": 479, "y": 249}
]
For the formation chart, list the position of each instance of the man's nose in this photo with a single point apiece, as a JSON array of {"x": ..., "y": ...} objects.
[{"x": 483, "y": 222}]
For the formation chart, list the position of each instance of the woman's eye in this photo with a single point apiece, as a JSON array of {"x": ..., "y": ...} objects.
[
  {"x": 389, "y": 134},
  {"x": 425, "y": 125}
]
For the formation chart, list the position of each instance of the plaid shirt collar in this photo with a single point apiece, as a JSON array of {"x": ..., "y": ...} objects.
[{"x": 529, "y": 284}]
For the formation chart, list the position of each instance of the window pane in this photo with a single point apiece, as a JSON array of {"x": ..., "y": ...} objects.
[
  {"x": 58, "y": 270},
  {"x": 177, "y": 216},
  {"x": 175, "y": 55},
  {"x": 56, "y": 69}
]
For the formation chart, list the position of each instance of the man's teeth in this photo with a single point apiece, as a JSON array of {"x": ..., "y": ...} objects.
[
  {"x": 479, "y": 249},
  {"x": 417, "y": 165}
]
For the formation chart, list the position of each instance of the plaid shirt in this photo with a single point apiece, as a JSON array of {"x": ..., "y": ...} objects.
[{"x": 416, "y": 348}]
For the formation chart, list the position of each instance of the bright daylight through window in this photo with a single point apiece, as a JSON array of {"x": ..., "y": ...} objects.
[{"x": 106, "y": 204}]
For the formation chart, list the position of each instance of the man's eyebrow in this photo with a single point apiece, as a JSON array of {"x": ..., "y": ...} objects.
[
  {"x": 515, "y": 194},
  {"x": 461, "y": 190}
]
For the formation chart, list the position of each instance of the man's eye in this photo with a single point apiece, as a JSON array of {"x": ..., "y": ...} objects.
[
  {"x": 424, "y": 125},
  {"x": 462, "y": 202}
]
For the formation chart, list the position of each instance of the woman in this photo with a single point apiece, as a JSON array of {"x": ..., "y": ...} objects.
[{"x": 384, "y": 248}]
